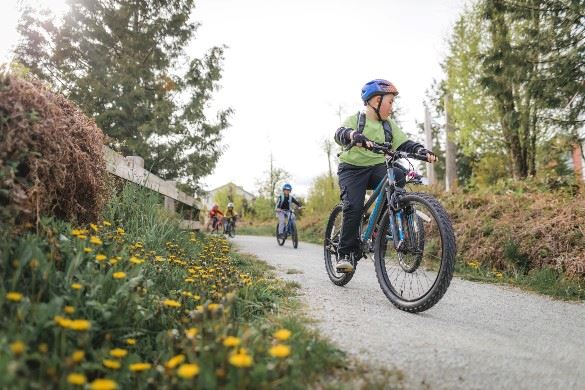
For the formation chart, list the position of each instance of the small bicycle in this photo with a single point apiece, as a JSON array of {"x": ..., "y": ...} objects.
[
  {"x": 410, "y": 235},
  {"x": 215, "y": 225},
  {"x": 290, "y": 229},
  {"x": 230, "y": 227}
]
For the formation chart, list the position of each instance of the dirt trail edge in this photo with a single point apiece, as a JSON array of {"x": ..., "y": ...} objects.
[{"x": 479, "y": 336}]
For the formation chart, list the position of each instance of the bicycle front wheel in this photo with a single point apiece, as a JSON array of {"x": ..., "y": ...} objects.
[
  {"x": 280, "y": 240},
  {"x": 415, "y": 276}
]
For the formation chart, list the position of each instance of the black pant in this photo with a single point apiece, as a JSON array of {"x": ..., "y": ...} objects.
[{"x": 353, "y": 182}]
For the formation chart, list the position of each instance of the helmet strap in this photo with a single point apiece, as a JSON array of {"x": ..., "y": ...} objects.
[{"x": 377, "y": 109}]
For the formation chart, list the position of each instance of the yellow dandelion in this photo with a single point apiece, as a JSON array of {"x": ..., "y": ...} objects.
[
  {"x": 136, "y": 260},
  {"x": 94, "y": 227},
  {"x": 62, "y": 321},
  {"x": 78, "y": 356},
  {"x": 213, "y": 307},
  {"x": 474, "y": 264},
  {"x": 241, "y": 360},
  {"x": 280, "y": 351},
  {"x": 175, "y": 361},
  {"x": 118, "y": 352},
  {"x": 138, "y": 367},
  {"x": 113, "y": 261},
  {"x": 107, "y": 223},
  {"x": 76, "y": 379},
  {"x": 80, "y": 325},
  {"x": 171, "y": 303},
  {"x": 191, "y": 333},
  {"x": 100, "y": 257},
  {"x": 18, "y": 347},
  {"x": 111, "y": 364},
  {"x": 231, "y": 341},
  {"x": 119, "y": 275},
  {"x": 76, "y": 286},
  {"x": 188, "y": 371},
  {"x": 95, "y": 240},
  {"x": 103, "y": 384},
  {"x": 282, "y": 334},
  {"x": 76, "y": 232},
  {"x": 131, "y": 341},
  {"x": 14, "y": 296},
  {"x": 87, "y": 250},
  {"x": 120, "y": 231},
  {"x": 69, "y": 309}
]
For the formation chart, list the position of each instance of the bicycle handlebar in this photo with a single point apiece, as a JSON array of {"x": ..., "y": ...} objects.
[{"x": 386, "y": 148}]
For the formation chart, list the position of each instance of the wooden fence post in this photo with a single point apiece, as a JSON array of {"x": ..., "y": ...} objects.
[{"x": 170, "y": 202}]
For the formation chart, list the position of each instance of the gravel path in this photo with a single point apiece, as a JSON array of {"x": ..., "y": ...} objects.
[{"x": 479, "y": 336}]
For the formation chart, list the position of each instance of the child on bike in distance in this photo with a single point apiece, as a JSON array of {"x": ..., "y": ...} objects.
[
  {"x": 283, "y": 206},
  {"x": 214, "y": 215},
  {"x": 360, "y": 168},
  {"x": 229, "y": 214}
]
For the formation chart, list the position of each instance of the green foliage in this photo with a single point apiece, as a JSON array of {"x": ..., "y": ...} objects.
[
  {"x": 488, "y": 170},
  {"x": 263, "y": 208},
  {"x": 230, "y": 194},
  {"x": 180, "y": 294},
  {"x": 323, "y": 195},
  {"x": 125, "y": 64},
  {"x": 513, "y": 72}
]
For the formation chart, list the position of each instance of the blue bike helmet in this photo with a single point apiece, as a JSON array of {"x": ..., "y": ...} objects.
[
  {"x": 287, "y": 187},
  {"x": 377, "y": 87}
]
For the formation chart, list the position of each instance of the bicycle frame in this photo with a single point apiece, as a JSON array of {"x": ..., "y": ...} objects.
[
  {"x": 386, "y": 186},
  {"x": 289, "y": 223}
]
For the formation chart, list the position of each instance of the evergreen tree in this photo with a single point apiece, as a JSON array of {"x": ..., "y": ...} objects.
[
  {"x": 533, "y": 68},
  {"x": 124, "y": 63}
]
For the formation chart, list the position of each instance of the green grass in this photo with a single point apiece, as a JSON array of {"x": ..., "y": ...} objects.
[
  {"x": 546, "y": 281},
  {"x": 181, "y": 294}
]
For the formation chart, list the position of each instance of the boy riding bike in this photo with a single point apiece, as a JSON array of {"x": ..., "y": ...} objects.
[
  {"x": 360, "y": 168},
  {"x": 214, "y": 217},
  {"x": 283, "y": 206},
  {"x": 230, "y": 216}
]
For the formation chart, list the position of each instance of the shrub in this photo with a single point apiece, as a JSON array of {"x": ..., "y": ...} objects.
[{"x": 51, "y": 160}]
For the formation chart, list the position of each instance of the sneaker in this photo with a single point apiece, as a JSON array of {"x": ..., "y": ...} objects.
[{"x": 344, "y": 264}]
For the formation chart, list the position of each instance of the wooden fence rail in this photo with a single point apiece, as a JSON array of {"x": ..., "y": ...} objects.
[{"x": 131, "y": 168}]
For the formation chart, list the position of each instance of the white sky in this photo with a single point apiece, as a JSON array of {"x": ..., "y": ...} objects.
[{"x": 291, "y": 63}]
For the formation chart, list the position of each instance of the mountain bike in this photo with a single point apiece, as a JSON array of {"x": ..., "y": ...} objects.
[
  {"x": 290, "y": 229},
  {"x": 230, "y": 227},
  {"x": 410, "y": 234}
]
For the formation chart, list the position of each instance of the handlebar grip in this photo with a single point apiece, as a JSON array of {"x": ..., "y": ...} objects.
[{"x": 420, "y": 157}]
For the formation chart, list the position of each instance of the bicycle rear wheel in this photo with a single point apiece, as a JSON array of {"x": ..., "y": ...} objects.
[
  {"x": 330, "y": 245},
  {"x": 416, "y": 276},
  {"x": 295, "y": 237}
]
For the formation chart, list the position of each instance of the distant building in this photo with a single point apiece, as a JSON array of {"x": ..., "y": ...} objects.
[{"x": 208, "y": 199}]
